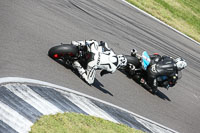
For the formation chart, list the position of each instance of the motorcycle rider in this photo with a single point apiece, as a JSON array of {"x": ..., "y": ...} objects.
[
  {"x": 162, "y": 66},
  {"x": 101, "y": 57}
]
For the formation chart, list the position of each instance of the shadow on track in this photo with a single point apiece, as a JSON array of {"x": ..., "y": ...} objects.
[
  {"x": 158, "y": 93},
  {"x": 100, "y": 86},
  {"x": 162, "y": 96},
  {"x": 96, "y": 83}
]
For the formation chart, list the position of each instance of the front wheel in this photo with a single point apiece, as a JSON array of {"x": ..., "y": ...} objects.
[
  {"x": 132, "y": 64},
  {"x": 132, "y": 60}
]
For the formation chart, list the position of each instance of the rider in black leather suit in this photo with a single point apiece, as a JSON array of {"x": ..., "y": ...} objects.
[{"x": 162, "y": 66}]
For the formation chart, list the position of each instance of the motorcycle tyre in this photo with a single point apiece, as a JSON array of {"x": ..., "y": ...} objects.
[
  {"x": 132, "y": 60},
  {"x": 62, "y": 50}
]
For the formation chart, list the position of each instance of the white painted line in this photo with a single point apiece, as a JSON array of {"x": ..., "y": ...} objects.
[
  {"x": 89, "y": 107},
  {"x": 14, "y": 119},
  {"x": 153, "y": 128},
  {"x": 34, "y": 99},
  {"x": 161, "y": 22},
  {"x": 24, "y": 80}
]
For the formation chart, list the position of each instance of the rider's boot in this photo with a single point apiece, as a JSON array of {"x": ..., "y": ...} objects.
[
  {"x": 75, "y": 43},
  {"x": 82, "y": 72},
  {"x": 166, "y": 84},
  {"x": 77, "y": 65},
  {"x": 78, "y": 43}
]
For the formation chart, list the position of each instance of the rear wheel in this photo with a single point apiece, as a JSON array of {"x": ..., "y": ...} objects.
[
  {"x": 62, "y": 51},
  {"x": 64, "y": 54}
]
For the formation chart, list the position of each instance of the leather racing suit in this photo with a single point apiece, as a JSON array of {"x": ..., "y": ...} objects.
[
  {"x": 162, "y": 66},
  {"x": 103, "y": 58}
]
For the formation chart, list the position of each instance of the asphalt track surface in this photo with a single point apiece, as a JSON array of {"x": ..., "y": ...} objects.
[{"x": 28, "y": 28}]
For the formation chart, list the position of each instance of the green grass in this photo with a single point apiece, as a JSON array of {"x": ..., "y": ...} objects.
[
  {"x": 78, "y": 123},
  {"x": 183, "y": 15}
]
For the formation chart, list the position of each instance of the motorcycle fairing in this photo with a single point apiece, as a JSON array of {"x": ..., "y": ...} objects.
[{"x": 145, "y": 60}]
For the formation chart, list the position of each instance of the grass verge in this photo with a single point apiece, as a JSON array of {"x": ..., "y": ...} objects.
[
  {"x": 183, "y": 15},
  {"x": 78, "y": 123}
]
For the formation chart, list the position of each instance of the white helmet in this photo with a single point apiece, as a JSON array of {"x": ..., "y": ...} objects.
[{"x": 180, "y": 63}]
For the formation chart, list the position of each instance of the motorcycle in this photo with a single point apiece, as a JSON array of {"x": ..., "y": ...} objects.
[{"x": 136, "y": 69}]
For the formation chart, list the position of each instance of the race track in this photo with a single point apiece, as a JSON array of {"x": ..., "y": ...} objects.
[{"x": 28, "y": 28}]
